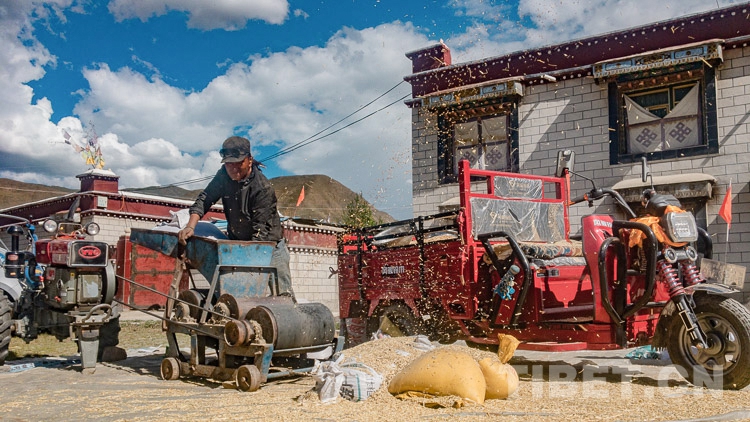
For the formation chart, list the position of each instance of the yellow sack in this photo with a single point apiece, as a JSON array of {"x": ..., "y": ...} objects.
[
  {"x": 501, "y": 378},
  {"x": 442, "y": 372},
  {"x": 507, "y": 345}
]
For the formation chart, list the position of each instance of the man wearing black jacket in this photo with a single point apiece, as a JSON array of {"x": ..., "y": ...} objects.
[{"x": 249, "y": 203}]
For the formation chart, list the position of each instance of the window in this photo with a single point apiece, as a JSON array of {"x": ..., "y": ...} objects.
[
  {"x": 483, "y": 139},
  {"x": 663, "y": 114}
]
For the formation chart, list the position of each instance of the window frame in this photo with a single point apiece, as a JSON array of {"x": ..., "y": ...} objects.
[
  {"x": 707, "y": 114},
  {"x": 450, "y": 116}
]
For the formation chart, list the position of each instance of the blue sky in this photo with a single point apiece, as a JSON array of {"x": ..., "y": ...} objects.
[{"x": 164, "y": 82}]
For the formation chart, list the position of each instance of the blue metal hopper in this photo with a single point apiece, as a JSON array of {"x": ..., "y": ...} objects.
[{"x": 240, "y": 268}]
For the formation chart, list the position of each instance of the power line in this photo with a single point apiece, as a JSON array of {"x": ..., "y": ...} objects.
[
  {"x": 312, "y": 138},
  {"x": 310, "y": 141},
  {"x": 300, "y": 143}
]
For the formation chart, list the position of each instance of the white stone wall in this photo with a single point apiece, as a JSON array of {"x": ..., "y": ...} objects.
[
  {"x": 310, "y": 276},
  {"x": 112, "y": 228},
  {"x": 573, "y": 114}
]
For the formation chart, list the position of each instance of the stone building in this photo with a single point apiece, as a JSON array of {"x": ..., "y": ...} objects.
[
  {"x": 676, "y": 92},
  {"x": 312, "y": 246}
]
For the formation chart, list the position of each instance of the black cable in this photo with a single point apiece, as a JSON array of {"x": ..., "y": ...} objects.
[
  {"x": 307, "y": 141},
  {"x": 303, "y": 143},
  {"x": 334, "y": 124}
]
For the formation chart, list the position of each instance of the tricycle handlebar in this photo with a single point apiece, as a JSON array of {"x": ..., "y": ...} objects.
[{"x": 599, "y": 193}]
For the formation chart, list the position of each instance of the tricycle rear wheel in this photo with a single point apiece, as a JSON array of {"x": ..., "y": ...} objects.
[
  {"x": 399, "y": 315},
  {"x": 726, "y": 324}
]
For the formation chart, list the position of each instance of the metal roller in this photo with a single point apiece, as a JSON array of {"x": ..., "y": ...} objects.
[
  {"x": 191, "y": 305},
  {"x": 294, "y": 326},
  {"x": 238, "y": 307},
  {"x": 240, "y": 332}
]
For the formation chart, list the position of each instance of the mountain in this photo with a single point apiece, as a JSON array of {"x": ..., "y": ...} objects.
[
  {"x": 14, "y": 193},
  {"x": 325, "y": 198}
]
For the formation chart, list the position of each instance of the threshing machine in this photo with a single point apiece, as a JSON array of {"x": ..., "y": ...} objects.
[{"x": 256, "y": 333}]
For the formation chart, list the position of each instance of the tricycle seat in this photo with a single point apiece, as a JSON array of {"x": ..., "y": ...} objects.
[{"x": 571, "y": 249}]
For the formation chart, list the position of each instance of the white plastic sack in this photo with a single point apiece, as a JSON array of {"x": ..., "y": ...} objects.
[
  {"x": 421, "y": 342},
  {"x": 360, "y": 381},
  {"x": 328, "y": 378}
]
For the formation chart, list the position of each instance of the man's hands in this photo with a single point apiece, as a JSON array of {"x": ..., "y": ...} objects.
[
  {"x": 185, "y": 234},
  {"x": 189, "y": 229}
]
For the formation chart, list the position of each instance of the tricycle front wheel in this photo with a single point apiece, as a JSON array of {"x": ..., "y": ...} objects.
[{"x": 725, "y": 364}]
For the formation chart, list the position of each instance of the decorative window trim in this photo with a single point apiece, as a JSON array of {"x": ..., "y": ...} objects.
[
  {"x": 702, "y": 52},
  {"x": 473, "y": 94},
  {"x": 701, "y": 71}
]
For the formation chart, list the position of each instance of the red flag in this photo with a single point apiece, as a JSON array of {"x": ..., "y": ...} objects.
[
  {"x": 725, "y": 211},
  {"x": 301, "y": 196}
]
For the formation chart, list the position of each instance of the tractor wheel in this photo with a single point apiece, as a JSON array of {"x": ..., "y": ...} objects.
[
  {"x": 5, "y": 324},
  {"x": 725, "y": 364},
  {"x": 400, "y": 317}
]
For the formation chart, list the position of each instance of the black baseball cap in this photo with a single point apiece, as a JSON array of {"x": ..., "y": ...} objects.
[{"x": 234, "y": 149}]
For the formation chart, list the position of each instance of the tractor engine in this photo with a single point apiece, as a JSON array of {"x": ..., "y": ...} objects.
[{"x": 77, "y": 274}]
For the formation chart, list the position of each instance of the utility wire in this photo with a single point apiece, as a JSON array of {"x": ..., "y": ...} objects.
[
  {"x": 309, "y": 140},
  {"x": 302, "y": 142}
]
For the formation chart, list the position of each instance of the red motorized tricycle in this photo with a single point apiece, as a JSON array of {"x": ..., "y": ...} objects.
[{"x": 505, "y": 263}]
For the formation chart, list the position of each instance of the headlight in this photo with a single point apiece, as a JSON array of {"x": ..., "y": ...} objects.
[
  {"x": 91, "y": 229},
  {"x": 50, "y": 226},
  {"x": 680, "y": 226}
]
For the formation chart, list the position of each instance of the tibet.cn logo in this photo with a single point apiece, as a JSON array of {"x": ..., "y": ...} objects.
[{"x": 89, "y": 252}]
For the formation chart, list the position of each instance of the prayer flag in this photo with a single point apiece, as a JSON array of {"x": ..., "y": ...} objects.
[
  {"x": 301, "y": 196},
  {"x": 725, "y": 211}
]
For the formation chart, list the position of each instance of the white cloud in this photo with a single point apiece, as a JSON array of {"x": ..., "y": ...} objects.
[
  {"x": 299, "y": 13},
  {"x": 229, "y": 15}
]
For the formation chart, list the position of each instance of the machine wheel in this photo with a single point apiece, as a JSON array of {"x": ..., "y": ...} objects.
[
  {"x": 247, "y": 378},
  {"x": 399, "y": 315},
  {"x": 726, "y": 324},
  {"x": 170, "y": 369},
  {"x": 5, "y": 323}
]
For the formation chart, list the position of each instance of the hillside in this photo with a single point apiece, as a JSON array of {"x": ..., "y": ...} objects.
[
  {"x": 14, "y": 193},
  {"x": 325, "y": 198}
]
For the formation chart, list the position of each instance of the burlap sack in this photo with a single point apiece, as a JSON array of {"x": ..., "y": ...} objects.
[
  {"x": 501, "y": 378},
  {"x": 442, "y": 372}
]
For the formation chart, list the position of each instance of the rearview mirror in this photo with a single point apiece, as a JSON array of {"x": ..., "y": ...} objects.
[{"x": 565, "y": 160}]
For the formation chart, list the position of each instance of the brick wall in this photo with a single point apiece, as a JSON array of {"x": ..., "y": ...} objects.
[{"x": 310, "y": 276}]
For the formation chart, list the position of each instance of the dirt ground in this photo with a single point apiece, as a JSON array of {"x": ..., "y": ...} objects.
[{"x": 570, "y": 386}]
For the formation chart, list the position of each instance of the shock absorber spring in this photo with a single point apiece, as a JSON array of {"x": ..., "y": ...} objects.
[
  {"x": 690, "y": 272},
  {"x": 669, "y": 275}
]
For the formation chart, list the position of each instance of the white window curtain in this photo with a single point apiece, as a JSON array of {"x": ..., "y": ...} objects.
[
  {"x": 678, "y": 129},
  {"x": 495, "y": 136},
  {"x": 466, "y": 137}
]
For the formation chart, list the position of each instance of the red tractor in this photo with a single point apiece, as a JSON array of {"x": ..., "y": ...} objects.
[
  {"x": 505, "y": 263},
  {"x": 63, "y": 285}
]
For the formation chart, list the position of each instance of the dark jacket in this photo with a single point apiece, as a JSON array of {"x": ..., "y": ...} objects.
[{"x": 249, "y": 205}]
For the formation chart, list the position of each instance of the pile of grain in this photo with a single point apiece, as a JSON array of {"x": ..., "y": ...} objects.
[{"x": 389, "y": 355}]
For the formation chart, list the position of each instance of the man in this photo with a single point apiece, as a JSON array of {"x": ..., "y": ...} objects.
[{"x": 249, "y": 205}]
